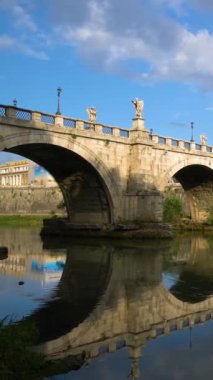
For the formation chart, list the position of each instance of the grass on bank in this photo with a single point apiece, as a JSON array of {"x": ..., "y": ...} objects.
[{"x": 22, "y": 220}]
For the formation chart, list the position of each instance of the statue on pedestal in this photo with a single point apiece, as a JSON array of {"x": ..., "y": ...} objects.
[
  {"x": 138, "y": 104},
  {"x": 92, "y": 113}
]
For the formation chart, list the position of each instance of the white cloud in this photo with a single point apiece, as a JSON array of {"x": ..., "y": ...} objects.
[
  {"x": 22, "y": 18},
  {"x": 6, "y": 41},
  {"x": 108, "y": 35},
  {"x": 180, "y": 5},
  {"x": 31, "y": 52},
  {"x": 205, "y": 5},
  {"x": 23, "y": 34}
]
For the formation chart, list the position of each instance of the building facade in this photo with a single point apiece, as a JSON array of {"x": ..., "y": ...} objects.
[{"x": 24, "y": 173}]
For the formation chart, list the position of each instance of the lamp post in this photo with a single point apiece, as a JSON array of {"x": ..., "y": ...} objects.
[
  {"x": 14, "y": 102},
  {"x": 192, "y": 132},
  {"x": 58, "y": 112}
]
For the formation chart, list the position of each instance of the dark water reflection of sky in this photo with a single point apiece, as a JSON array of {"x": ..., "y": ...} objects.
[{"x": 71, "y": 284}]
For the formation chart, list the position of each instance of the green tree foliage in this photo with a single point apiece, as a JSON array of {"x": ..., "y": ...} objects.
[{"x": 172, "y": 209}]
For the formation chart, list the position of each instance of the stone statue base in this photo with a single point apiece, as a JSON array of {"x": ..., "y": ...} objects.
[
  {"x": 138, "y": 129},
  {"x": 138, "y": 123}
]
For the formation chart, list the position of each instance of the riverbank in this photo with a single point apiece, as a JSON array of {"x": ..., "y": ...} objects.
[
  {"x": 190, "y": 225},
  {"x": 22, "y": 220},
  {"x": 57, "y": 226}
]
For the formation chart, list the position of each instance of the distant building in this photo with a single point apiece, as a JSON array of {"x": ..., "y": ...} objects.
[{"x": 24, "y": 173}]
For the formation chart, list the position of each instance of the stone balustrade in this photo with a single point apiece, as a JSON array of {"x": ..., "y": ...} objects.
[{"x": 99, "y": 128}]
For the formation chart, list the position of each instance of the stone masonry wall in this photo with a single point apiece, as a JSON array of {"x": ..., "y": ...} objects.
[{"x": 29, "y": 200}]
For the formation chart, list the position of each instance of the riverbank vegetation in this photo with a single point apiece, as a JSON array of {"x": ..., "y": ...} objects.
[
  {"x": 22, "y": 220},
  {"x": 172, "y": 209},
  {"x": 18, "y": 361}
]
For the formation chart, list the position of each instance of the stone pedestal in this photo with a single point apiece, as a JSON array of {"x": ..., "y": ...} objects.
[
  {"x": 138, "y": 129},
  {"x": 138, "y": 123}
]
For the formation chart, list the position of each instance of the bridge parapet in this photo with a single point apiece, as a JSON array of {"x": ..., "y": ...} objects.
[
  {"x": 181, "y": 144},
  {"x": 99, "y": 128},
  {"x": 59, "y": 120},
  {"x": 103, "y": 343}
]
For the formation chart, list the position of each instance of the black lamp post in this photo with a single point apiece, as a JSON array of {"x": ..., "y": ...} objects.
[
  {"x": 14, "y": 102},
  {"x": 192, "y": 132},
  {"x": 58, "y": 94}
]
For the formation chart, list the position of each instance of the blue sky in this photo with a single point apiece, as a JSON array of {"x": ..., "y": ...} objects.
[{"x": 104, "y": 53}]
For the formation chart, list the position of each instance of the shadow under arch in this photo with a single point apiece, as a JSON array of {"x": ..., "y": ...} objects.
[
  {"x": 182, "y": 303},
  {"x": 55, "y": 153},
  {"x": 192, "y": 288},
  {"x": 85, "y": 277}
]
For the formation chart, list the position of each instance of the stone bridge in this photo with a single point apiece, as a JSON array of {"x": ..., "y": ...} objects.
[
  {"x": 110, "y": 175},
  {"x": 132, "y": 308}
]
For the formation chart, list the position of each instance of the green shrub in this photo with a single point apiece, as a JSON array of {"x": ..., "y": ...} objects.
[{"x": 172, "y": 209}]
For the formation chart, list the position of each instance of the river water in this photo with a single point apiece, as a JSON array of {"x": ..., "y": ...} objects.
[{"x": 118, "y": 309}]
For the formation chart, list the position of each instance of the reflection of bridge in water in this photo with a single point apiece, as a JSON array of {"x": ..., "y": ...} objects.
[{"x": 115, "y": 298}]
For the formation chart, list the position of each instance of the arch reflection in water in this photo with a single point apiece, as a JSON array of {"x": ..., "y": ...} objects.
[
  {"x": 190, "y": 267},
  {"x": 131, "y": 305}
]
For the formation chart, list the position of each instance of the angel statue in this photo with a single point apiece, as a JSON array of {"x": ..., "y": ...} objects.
[
  {"x": 203, "y": 139},
  {"x": 92, "y": 113},
  {"x": 139, "y": 104}
]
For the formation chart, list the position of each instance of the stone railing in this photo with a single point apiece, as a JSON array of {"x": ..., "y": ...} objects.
[
  {"x": 112, "y": 343},
  {"x": 59, "y": 120},
  {"x": 182, "y": 144},
  {"x": 64, "y": 121}
]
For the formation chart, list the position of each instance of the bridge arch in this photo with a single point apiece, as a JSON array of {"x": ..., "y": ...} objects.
[
  {"x": 196, "y": 177},
  {"x": 35, "y": 144},
  {"x": 170, "y": 173},
  {"x": 183, "y": 307}
]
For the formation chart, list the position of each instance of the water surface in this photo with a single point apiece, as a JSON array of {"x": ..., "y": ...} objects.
[{"x": 129, "y": 309}]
